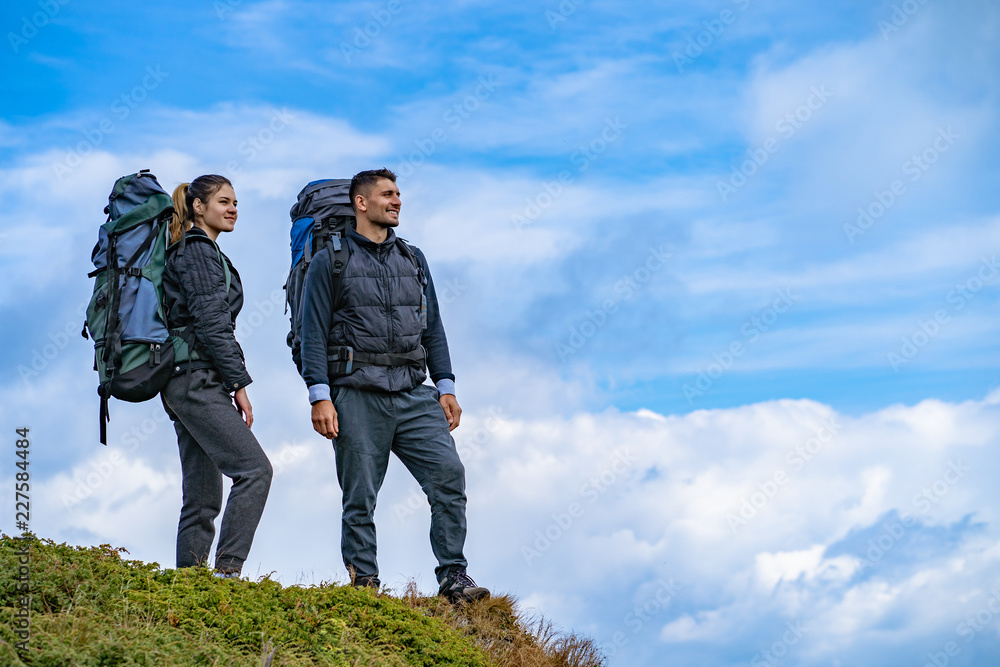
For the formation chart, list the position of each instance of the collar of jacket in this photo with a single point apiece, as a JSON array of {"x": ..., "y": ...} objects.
[
  {"x": 368, "y": 244},
  {"x": 194, "y": 231}
]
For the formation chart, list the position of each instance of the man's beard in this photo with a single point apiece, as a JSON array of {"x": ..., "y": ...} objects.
[{"x": 386, "y": 221}]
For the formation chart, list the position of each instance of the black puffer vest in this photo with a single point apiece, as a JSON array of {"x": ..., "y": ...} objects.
[{"x": 378, "y": 311}]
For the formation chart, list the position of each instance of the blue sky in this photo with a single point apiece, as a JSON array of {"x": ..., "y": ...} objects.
[{"x": 686, "y": 235}]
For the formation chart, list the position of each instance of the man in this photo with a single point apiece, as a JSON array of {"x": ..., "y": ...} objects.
[{"x": 364, "y": 336}]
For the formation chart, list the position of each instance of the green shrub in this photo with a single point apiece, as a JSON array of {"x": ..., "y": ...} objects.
[{"x": 91, "y": 607}]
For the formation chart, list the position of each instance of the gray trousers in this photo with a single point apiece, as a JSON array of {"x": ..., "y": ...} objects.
[
  {"x": 214, "y": 441},
  {"x": 413, "y": 426}
]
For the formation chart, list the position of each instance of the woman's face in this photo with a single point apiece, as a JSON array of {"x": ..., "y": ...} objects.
[{"x": 218, "y": 214}]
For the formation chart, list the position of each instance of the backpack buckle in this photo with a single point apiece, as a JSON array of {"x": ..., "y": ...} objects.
[{"x": 340, "y": 360}]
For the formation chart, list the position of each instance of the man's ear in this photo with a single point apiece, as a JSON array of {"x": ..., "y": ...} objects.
[{"x": 359, "y": 203}]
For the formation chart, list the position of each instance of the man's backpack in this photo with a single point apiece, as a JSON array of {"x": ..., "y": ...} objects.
[
  {"x": 126, "y": 316},
  {"x": 321, "y": 216}
]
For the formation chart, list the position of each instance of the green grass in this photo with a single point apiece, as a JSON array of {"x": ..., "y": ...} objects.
[{"x": 91, "y": 607}]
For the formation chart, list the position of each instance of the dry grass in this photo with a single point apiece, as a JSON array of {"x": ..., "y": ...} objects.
[{"x": 510, "y": 637}]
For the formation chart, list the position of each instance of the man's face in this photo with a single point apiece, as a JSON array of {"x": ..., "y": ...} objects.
[{"x": 382, "y": 204}]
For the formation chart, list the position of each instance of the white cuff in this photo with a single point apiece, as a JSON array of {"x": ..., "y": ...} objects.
[{"x": 446, "y": 386}]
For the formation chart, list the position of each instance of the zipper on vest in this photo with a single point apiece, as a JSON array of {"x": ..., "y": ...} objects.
[{"x": 388, "y": 306}]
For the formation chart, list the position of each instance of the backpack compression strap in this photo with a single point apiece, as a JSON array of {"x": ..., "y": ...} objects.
[{"x": 113, "y": 342}]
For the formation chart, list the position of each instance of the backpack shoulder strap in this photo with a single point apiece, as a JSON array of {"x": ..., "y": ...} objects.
[
  {"x": 225, "y": 266},
  {"x": 408, "y": 252},
  {"x": 179, "y": 246},
  {"x": 340, "y": 253}
]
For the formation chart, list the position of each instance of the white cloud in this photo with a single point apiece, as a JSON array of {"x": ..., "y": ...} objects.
[{"x": 565, "y": 509}]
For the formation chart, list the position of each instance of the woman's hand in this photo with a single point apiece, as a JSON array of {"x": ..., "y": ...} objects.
[{"x": 243, "y": 406}]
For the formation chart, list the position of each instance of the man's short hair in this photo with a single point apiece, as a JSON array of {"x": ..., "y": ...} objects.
[{"x": 364, "y": 181}]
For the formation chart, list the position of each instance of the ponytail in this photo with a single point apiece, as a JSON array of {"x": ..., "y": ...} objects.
[
  {"x": 201, "y": 188},
  {"x": 181, "y": 220}
]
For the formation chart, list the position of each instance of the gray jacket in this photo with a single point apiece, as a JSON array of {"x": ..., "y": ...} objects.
[{"x": 375, "y": 310}]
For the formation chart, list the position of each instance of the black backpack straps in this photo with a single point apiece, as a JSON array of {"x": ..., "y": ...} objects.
[
  {"x": 307, "y": 253},
  {"x": 185, "y": 334},
  {"x": 128, "y": 268},
  {"x": 407, "y": 251},
  {"x": 113, "y": 324},
  {"x": 105, "y": 417},
  {"x": 180, "y": 249},
  {"x": 113, "y": 347},
  {"x": 340, "y": 253}
]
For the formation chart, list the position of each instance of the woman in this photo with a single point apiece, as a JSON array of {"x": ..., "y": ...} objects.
[{"x": 213, "y": 435}]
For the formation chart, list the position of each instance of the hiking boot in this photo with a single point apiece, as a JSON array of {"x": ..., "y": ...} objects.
[
  {"x": 366, "y": 581},
  {"x": 232, "y": 574},
  {"x": 458, "y": 586}
]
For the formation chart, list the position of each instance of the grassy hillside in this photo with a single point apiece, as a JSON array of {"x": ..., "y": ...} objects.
[{"x": 90, "y": 606}]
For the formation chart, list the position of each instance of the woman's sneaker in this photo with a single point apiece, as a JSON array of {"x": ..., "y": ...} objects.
[{"x": 458, "y": 586}]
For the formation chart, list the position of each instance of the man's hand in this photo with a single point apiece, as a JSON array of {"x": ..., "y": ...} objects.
[
  {"x": 451, "y": 410},
  {"x": 243, "y": 406},
  {"x": 324, "y": 419}
]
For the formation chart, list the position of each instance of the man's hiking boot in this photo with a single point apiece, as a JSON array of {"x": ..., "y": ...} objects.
[
  {"x": 231, "y": 574},
  {"x": 459, "y": 587},
  {"x": 366, "y": 581}
]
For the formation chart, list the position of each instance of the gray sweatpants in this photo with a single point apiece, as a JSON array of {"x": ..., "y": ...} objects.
[
  {"x": 413, "y": 426},
  {"x": 214, "y": 441}
]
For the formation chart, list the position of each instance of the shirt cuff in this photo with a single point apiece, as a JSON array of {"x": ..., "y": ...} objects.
[
  {"x": 446, "y": 386},
  {"x": 319, "y": 392}
]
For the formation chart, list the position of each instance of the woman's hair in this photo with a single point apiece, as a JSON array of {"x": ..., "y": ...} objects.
[{"x": 201, "y": 188}]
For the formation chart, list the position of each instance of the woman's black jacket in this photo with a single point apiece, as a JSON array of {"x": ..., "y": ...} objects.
[{"x": 194, "y": 291}]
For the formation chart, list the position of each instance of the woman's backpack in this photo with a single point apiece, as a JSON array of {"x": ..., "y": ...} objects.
[{"x": 134, "y": 355}]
